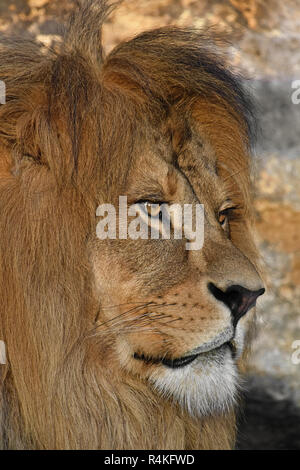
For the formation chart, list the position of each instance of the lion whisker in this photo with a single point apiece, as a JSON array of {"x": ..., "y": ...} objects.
[
  {"x": 108, "y": 307},
  {"x": 120, "y": 325},
  {"x": 124, "y": 313}
]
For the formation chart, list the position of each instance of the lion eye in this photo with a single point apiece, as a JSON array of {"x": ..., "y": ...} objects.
[
  {"x": 229, "y": 214},
  {"x": 153, "y": 208},
  {"x": 222, "y": 217}
]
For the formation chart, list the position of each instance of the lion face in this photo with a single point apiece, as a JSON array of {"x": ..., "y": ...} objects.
[
  {"x": 179, "y": 317},
  {"x": 114, "y": 330}
]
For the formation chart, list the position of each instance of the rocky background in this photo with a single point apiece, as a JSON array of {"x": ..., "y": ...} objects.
[{"x": 265, "y": 37}]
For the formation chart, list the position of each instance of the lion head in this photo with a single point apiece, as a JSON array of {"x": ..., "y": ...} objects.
[{"x": 123, "y": 342}]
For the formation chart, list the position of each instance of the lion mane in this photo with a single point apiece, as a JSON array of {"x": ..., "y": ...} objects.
[{"x": 69, "y": 129}]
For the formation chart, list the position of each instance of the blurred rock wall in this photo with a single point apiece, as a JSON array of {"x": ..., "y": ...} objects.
[{"x": 265, "y": 37}]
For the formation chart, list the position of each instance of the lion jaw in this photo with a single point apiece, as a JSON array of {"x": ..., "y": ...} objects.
[
  {"x": 210, "y": 384},
  {"x": 207, "y": 386}
]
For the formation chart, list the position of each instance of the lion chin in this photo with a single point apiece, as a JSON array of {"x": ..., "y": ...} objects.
[
  {"x": 205, "y": 381},
  {"x": 208, "y": 386}
]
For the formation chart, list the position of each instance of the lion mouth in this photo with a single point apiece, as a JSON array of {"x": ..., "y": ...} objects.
[
  {"x": 184, "y": 360},
  {"x": 172, "y": 363}
]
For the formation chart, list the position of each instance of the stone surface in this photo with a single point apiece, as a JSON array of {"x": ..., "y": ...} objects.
[{"x": 265, "y": 36}]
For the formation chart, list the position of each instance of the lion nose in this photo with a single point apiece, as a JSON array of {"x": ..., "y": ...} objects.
[{"x": 237, "y": 298}]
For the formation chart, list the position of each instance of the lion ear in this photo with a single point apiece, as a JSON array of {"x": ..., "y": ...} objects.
[
  {"x": 84, "y": 34},
  {"x": 24, "y": 70},
  {"x": 27, "y": 132},
  {"x": 45, "y": 111}
]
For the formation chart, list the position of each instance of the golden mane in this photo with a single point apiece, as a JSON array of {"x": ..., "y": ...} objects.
[{"x": 67, "y": 131}]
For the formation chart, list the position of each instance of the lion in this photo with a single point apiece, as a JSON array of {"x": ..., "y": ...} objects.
[{"x": 123, "y": 343}]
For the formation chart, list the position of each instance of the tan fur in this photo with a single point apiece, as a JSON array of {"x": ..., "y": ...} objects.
[{"x": 78, "y": 129}]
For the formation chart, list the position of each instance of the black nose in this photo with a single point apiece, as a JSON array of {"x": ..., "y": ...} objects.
[{"x": 237, "y": 298}]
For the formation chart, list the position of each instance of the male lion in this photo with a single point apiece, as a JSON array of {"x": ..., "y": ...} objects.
[{"x": 122, "y": 343}]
